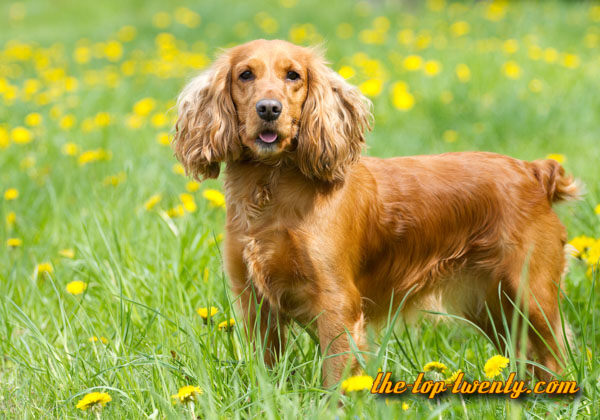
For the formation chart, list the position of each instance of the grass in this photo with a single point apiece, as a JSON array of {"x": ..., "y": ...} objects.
[{"x": 147, "y": 271}]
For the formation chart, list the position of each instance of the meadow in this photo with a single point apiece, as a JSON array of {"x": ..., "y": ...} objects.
[{"x": 110, "y": 256}]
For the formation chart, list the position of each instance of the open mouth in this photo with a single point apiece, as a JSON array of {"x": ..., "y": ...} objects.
[{"x": 268, "y": 137}]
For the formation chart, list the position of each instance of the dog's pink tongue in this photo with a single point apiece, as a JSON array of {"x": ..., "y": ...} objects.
[{"x": 268, "y": 136}]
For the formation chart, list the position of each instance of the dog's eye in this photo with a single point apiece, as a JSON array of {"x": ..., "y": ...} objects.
[
  {"x": 247, "y": 75},
  {"x": 292, "y": 75}
]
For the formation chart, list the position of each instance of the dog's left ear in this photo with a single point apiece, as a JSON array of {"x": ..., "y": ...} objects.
[{"x": 334, "y": 118}]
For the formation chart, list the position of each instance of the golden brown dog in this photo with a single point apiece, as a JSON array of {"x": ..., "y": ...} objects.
[{"x": 316, "y": 230}]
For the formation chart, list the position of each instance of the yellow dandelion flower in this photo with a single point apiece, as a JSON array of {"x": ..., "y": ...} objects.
[
  {"x": 11, "y": 194},
  {"x": 369, "y": 36},
  {"x": 176, "y": 211},
  {"x": 4, "y": 138},
  {"x": 94, "y": 339},
  {"x": 31, "y": 86},
  {"x": 534, "y": 52},
  {"x": 67, "y": 122},
  {"x": 144, "y": 106},
  {"x": 463, "y": 73},
  {"x": 412, "y": 62},
  {"x": 496, "y": 10},
  {"x": 346, "y": 72},
  {"x": 266, "y": 23},
  {"x": 192, "y": 186},
  {"x": 159, "y": 120},
  {"x": 82, "y": 54},
  {"x": 44, "y": 268},
  {"x": 93, "y": 156},
  {"x": 571, "y": 61},
  {"x": 94, "y": 400},
  {"x": 432, "y": 68},
  {"x": 178, "y": 169},
  {"x": 189, "y": 204},
  {"x": 405, "y": 406},
  {"x": 152, "y": 201},
  {"x": 216, "y": 198},
  {"x": 557, "y": 157},
  {"x": 435, "y": 367},
  {"x": 134, "y": 121},
  {"x": 187, "y": 17},
  {"x": 67, "y": 253},
  {"x": 402, "y": 99},
  {"x": 550, "y": 55},
  {"x": 113, "y": 50},
  {"x": 163, "y": 139},
  {"x": 186, "y": 394},
  {"x": 406, "y": 36},
  {"x": 371, "y": 87},
  {"x": 14, "y": 242},
  {"x": 357, "y": 383},
  {"x": 460, "y": 28},
  {"x": 21, "y": 135},
  {"x": 11, "y": 219},
  {"x": 593, "y": 254},
  {"x": 493, "y": 367},
  {"x": 435, "y": 5},
  {"x": 70, "y": 149},
  {"x": 597, "y": 209},
  {"x": 452, "y": 378},
  {"x": 510, "y": 46},
  {"x": 204, "y": 312},
  {"x": 511, "y": 70},
  {"x": 33, "y": 119},
  {"x": 127, "y": 33},
  {"x": 226, "y": 325},
  {"x": 102, "y": 119},
  {"x": 87, "y": 125},
  {"x": 450, "y": 136},
  {"x": 76, "y": 287},
  {"x": 423, "y": 41}
]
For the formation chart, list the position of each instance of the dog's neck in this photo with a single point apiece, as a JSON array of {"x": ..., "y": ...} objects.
[{"x": 252, "y": 188}]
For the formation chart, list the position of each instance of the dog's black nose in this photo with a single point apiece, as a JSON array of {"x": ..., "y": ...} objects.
[{"x": 268, "y": 109}]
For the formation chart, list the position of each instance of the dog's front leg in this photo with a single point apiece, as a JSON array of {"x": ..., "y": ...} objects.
[
  {"x": 257, "y": 313},
  {"x": 338, "y": 324},
  {"x": 255, "y": 310}
]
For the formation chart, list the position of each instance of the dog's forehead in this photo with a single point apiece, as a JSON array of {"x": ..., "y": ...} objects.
[{"x": 270, "y": 50}]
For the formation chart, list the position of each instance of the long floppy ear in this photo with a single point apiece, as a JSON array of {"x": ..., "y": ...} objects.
[
  {"x": 206, "y": 132},
  {"x": 334, "y": 118}
]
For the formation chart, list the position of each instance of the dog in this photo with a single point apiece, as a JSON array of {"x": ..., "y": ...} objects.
[{"x": 316, "y": 232}]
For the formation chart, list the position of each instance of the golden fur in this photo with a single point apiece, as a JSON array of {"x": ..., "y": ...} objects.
[{"x": 315, "y": 230}]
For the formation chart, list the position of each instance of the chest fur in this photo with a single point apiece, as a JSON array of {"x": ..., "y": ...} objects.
[
  {"x": 281, "y": 271},
  {"x": 268, "y": 215}
]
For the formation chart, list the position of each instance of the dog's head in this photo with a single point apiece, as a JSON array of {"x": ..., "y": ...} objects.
[{"x": 271, "y": 100}]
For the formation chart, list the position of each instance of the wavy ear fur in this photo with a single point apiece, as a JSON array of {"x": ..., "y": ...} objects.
[
  {"x": 206, "y": 132},
  {"x": 334, "y": 118}
]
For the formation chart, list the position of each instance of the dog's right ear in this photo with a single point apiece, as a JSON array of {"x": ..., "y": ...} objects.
[{"x": 206, "y": 131}]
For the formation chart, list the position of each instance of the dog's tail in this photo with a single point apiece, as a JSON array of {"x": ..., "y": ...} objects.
[{"x": 557, "y": 185}]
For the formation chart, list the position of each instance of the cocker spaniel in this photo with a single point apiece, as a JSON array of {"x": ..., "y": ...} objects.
[{"x": 317, "y": 232}]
